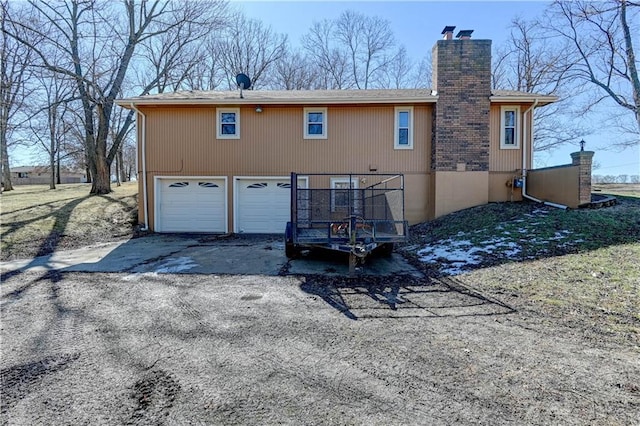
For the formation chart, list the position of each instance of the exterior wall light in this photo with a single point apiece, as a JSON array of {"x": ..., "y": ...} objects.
[{"x": 258, "y": 109}]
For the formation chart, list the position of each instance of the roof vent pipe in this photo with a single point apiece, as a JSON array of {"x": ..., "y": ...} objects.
[
  {"x": 464, "y": 34},
  {"x": 448, "y": 32}
]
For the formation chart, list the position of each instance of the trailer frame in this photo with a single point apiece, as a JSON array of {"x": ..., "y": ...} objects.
[{"x": 353, "y": 220}]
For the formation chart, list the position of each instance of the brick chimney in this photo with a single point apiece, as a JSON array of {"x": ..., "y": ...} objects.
[
  {"x": 462, "y": 79},
  {"x": 460, "y": 145}
]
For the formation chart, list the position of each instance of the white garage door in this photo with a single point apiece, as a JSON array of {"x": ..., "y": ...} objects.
[
  {"x": 262, "y": 205},
  {"x": 191, "y": 205}
]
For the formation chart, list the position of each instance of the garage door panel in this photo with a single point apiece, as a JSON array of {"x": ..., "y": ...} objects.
[
  {"x": 192, "y": 205},
  {"x": 263, "y": 205}
]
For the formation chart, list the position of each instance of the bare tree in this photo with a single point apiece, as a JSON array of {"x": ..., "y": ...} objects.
[
  {"x": 294, "y": 71},
  {"x": 398, "y": 73},
  {"x": 169, "y": 59},
  {"x": 532, "y": 62},
  {"x": 15, "y": 64},
  {"x": 330, "y": 61},
  {"x": 421, "y": 78},
  {"x": 602, "y": 36},
  {"x": 207, "y": 72},
  {"x": 369, "y": 42},
  {"x": 97, "y": 41},
  {"x": 47, "y": 122},
  {"x": 248, "y": 46},
  {"x": 127, "y": 159},
  {"x": 355, "y": 51}
]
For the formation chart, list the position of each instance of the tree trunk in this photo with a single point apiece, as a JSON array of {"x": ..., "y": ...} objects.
[
  {"x": 100, "y": 164},
  {"x": 6, "y": 172},
  {"x": 118, "y": 168},
  {"x": 58, "y": 178},
  {"x": 87, "y": 166},
  {"x": 631, "y": 56},
  {"x": 52, "y": 144},
  {"x": 101, "y": 183},
  {"x": 4, "y": 154},
  {"x": 52, "y": 166},
  {"x": 123, "y": 175}
]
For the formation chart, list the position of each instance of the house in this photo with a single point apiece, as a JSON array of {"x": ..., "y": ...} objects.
[
  {"x": 214, "y": 161},
  {"x": 41, "y": 175}
]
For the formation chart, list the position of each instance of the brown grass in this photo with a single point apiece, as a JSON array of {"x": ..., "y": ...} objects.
[
  {"x": 577, "y": 267},
  {"x": 595, "y": 293},
  {"x": 622, "y": 189},
  {"x": 36, "y": 220}
]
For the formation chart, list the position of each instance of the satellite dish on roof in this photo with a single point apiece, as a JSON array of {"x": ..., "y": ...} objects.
[{"x": 244, "y": 82}]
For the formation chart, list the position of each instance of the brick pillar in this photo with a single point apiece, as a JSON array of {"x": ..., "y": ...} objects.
[{"x": 583, "y": 159}]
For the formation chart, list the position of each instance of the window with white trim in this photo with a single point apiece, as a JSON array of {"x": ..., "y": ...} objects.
[
  {"x": 509, "y": 127},
  {"x": 403, "y": 128},
  {"x": 315, "y": 123},
  {"x": 344, "y": 195},
  {"x": 228, "y": 123}
]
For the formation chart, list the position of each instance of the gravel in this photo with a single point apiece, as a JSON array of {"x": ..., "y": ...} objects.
[{"x": 154, "y": 348}]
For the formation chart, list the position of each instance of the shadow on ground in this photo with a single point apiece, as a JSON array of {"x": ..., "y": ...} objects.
[{"x": 401, "y": 296}]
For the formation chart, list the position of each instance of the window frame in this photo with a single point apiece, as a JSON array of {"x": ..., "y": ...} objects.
[
  {"x": 516, "y": 127},
  {"x": 310, "y": 110},
  {"x": 353, "y": 186},
  {"x": 219, "y": 134},
  {"x": 396, "y": 127}
]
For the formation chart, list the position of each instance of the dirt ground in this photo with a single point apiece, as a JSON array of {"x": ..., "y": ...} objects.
[{"x": 152, "y": 348}]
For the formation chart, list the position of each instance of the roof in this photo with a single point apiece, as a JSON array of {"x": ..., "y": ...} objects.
[
  {"x": 515, "y": 96},
  {"x": 32, "y": 169},
  {"x": 43, "y": 169},
  {"x": 315, "y": 97}
]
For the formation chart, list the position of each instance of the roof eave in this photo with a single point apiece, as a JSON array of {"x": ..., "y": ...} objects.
[
  {"x": 542, "y": 99},
  {"x": 127, "y": 103}
]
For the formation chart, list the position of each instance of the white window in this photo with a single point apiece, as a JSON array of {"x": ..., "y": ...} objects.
[
  {"x": 228, "y": 123},
  {"x": 403, "y": 138},
  {"x": 509, "y": 127},
  {"x": 315, "y": 123},
  {"x": 344, "y": 195}
]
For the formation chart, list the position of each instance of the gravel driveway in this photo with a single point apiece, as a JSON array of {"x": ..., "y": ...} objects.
[{"x": 98, "y": 348}]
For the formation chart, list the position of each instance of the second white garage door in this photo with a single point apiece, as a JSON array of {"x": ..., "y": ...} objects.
[{"x": 262, "y": 205}]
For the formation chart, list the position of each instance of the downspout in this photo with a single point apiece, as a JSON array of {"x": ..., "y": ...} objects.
[
  {"x": 524, "y": 160},
  {"x": 144, "y": 166}
]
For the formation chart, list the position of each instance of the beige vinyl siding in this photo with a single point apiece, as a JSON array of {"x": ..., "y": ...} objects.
[
  {"x": 182, "y": 141},
  {"x": 507, "y": 160}
]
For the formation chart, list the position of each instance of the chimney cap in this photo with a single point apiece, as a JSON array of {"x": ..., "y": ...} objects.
[
  {"x": 448, "y": 29},
  {"x": 464, "y": 34}
]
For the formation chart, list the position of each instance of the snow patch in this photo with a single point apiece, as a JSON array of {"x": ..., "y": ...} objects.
[
  {"x": 459, "y": 255},
  {"x": 175, "y": 265},
  {"x": 137, "y": 276}
]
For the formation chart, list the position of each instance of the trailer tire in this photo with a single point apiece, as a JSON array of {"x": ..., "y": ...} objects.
[
  {"x": 290, "y": 250},
  {"x": 386, "y": 249}
]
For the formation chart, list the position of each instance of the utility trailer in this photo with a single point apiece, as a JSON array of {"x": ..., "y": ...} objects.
[{"x": 351, "y": 213}]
